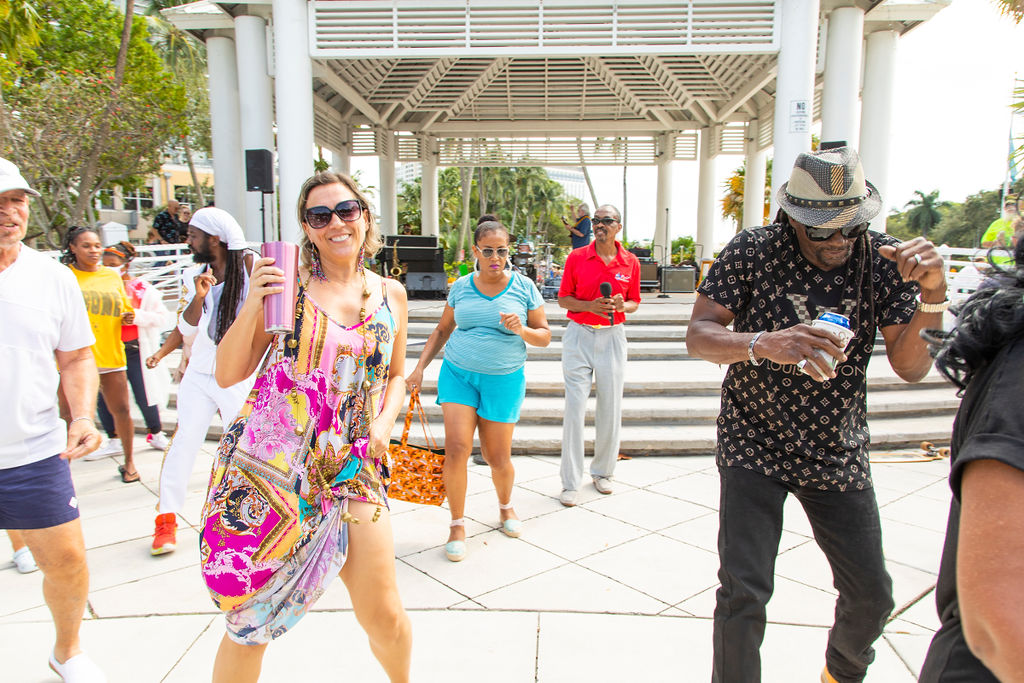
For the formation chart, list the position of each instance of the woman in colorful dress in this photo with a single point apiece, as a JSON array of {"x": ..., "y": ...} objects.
[
  {"x": 109, "y": 308},
  {"x": 491, "y": 315},
  {"x": 297, "y": 494}
]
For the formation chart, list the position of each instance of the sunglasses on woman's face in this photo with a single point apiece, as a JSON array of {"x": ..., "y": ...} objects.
[
  {"x": 850, "y": 232},
  {"x": 318, "y": 217},
  {"x": 606, "y": 220},
  {"x": 488, "y": 252}
]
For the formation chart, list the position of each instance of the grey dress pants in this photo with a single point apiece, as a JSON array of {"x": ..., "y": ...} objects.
[{"x": 592, "y": 355}]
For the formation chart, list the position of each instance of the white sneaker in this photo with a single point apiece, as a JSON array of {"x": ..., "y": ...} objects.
[
  {"x": 603, "y": 485},
  {"x": 24, "y": 561},
  {"x": 567, "y": 498},
  {"x": 111, "y": 447},
  {"x": 159, "y": 441}
]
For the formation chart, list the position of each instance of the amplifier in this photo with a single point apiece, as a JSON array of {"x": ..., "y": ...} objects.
[
  {"x": 410, "y": 241},
  {"x": 431, "y": 284},
  {"x": 678, "y": 279}
]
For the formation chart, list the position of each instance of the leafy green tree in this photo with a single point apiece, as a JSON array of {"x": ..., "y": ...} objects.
[
  {"x": 924, "y": 213},
  {"x": 68, "y": 123}
]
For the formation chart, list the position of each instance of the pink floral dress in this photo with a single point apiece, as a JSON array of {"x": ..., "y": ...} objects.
[{"x": 274, "y": 528}]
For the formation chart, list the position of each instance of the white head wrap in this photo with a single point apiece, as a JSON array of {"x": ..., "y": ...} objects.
[{"x": 220, "y": 224}]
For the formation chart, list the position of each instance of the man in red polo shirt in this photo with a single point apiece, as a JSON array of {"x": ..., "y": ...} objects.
[{"x": 594, "y": 349}]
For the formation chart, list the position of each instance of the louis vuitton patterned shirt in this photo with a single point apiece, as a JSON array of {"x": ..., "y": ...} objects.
[{"x": 775, "y": 419}]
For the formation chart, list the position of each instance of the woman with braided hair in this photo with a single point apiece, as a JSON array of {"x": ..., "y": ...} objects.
[
  {"x": 297, "y": 494},
  {"x": 109, "y": 309}
]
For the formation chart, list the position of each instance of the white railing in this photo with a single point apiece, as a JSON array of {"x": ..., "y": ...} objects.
[
  {"x": 965, "y": 269},
  {"x": 366, "y": 29},
  {"x": 160, "y": 265}
]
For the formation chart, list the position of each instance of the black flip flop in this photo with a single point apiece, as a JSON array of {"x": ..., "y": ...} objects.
[{"x": 127, "y": 478}]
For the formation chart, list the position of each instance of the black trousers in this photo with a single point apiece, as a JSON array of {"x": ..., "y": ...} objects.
[
  {"x": 846, "y": 527},
  {"x": 150, "y": 413}
]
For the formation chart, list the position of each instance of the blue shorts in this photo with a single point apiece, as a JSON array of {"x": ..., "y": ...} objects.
[
  {"x": 38, "y": 495},
  {"x": 497, "y": 398}
]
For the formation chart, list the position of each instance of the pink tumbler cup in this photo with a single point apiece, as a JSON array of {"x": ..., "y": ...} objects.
[{"x": 279, "y": 309}]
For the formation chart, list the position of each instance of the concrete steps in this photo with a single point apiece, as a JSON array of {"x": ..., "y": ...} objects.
[{"x": 670, "y": 400}]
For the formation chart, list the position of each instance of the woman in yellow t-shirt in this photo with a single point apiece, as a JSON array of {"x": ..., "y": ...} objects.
[{"x": 109, "y": 307}]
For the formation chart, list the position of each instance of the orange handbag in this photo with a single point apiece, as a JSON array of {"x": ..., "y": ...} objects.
[{"x": 416, "y": 472}]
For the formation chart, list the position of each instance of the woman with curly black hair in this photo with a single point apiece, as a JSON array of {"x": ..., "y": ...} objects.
[
  {"x": 109, "y": 308},
  {"x": 980, "y": 587}
]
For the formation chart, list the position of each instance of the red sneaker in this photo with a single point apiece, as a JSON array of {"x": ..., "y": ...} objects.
[{"x": 164, "y": 540}]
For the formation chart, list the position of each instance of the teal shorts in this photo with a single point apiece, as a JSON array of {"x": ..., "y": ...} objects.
[{"x": 496, "y": 398}]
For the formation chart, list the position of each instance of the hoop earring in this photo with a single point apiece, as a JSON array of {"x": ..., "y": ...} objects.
[
  {"x": 316, "y": 270},
  {"x": 476, "y": 265}
]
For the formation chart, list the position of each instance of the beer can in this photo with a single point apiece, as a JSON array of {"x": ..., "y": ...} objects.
[
  {"x": 837, "y": 324},
  {"x": 279, "y": 308}
]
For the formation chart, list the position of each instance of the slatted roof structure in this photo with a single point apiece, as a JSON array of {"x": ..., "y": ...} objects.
[{"x": 550, "y": 82}]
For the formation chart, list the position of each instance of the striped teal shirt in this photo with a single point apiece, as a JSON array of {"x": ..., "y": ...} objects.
[{"x": 480, "y": 343}]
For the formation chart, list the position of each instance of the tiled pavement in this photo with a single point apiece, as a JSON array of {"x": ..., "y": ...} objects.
[{"x": 619, "y": 588}]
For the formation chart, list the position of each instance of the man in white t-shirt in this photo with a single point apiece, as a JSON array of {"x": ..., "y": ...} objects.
[{"x": 44, "y": 319}]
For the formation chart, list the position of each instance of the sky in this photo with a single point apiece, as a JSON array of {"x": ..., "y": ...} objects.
[{"x": 951, "y": 122}]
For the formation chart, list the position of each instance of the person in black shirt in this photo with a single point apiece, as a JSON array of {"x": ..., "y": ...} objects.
[
  {"x": 980, "y": 587},
  {"x": 789, "y": 421},
  {"x": 168, "y": 226}
]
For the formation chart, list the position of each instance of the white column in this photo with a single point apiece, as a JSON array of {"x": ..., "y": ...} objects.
[
  {"x": 876, "y": 119},
  {"x": 228, "y": 164},
  {"x": 840, "y": 109},
  {"x": 706, "y": 194},
  {"x": 429, "y": 210},
  {"x": 257, "y": 126},
  {"x": 794, "y": 93},
  {"x": 293, "y": 94},
  {"x": 341, "y": 160},
  {"x": 662, "y": 245},
  {"x": 388, "y": 191},
  {"x": 753, "y": 181},
  {"x": 158, "y": 193}
]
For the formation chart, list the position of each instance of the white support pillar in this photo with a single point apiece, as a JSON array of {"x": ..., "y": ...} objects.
[
  {"x": 228, "y": 176},
  {"x": 876, "y": 120},
  {"x": 293, "y": 93},
  {"x": 794, "y": 92},
  {"x": 257, "y": 126},
  {"x": 662, "y": 245},
  {"x": 706, "y": 193},
  {"x": 429, "y": 209},
  {"x": 158, "y": 190},
  {"x": 341, "y": 160},
  {"x": 840, "y": 109},
  {"x": 388, "y": 191},
  {"x": 753, "y": 181}
]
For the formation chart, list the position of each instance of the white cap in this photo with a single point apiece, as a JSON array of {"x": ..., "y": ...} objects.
[
  {"x": 221, "y": 224},
  {"x": 11, "y": 178}
]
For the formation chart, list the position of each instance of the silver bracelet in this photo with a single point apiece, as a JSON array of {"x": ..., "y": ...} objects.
[
  {"x": 750, "y": 348},
  {"x": 82, "y": 418}
]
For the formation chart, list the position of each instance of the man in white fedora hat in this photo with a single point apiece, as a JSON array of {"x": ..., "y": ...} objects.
[
  {"x": 44, "y": 318},
  {"x": 793, "y": 417}
]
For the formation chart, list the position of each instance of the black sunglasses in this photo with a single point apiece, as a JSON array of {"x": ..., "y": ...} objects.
[
  {"x": 606, "y": 220},
  {"x": 850, "y": 232},
  {"x": 318, "y": 217}
]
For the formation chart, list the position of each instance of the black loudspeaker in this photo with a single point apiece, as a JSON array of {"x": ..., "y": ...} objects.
[{"x": 259, "y": 170}]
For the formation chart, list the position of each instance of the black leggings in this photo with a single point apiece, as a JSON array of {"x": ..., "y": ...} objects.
[{"x": 150, "y": 413}]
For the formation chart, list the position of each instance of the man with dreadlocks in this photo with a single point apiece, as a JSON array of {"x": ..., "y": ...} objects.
[
  {"x": 793, "y": 422},
  {"x": 213, "y": 294}
]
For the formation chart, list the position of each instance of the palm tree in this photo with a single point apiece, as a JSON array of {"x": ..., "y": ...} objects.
[
  {"x": 924, "y": 214},
  {"x": 185, "y": 57},
  {"x": 19, "y": 27}
]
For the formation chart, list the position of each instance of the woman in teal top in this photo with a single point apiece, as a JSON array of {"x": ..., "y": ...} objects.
[{"x": 491, "y": 315}]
